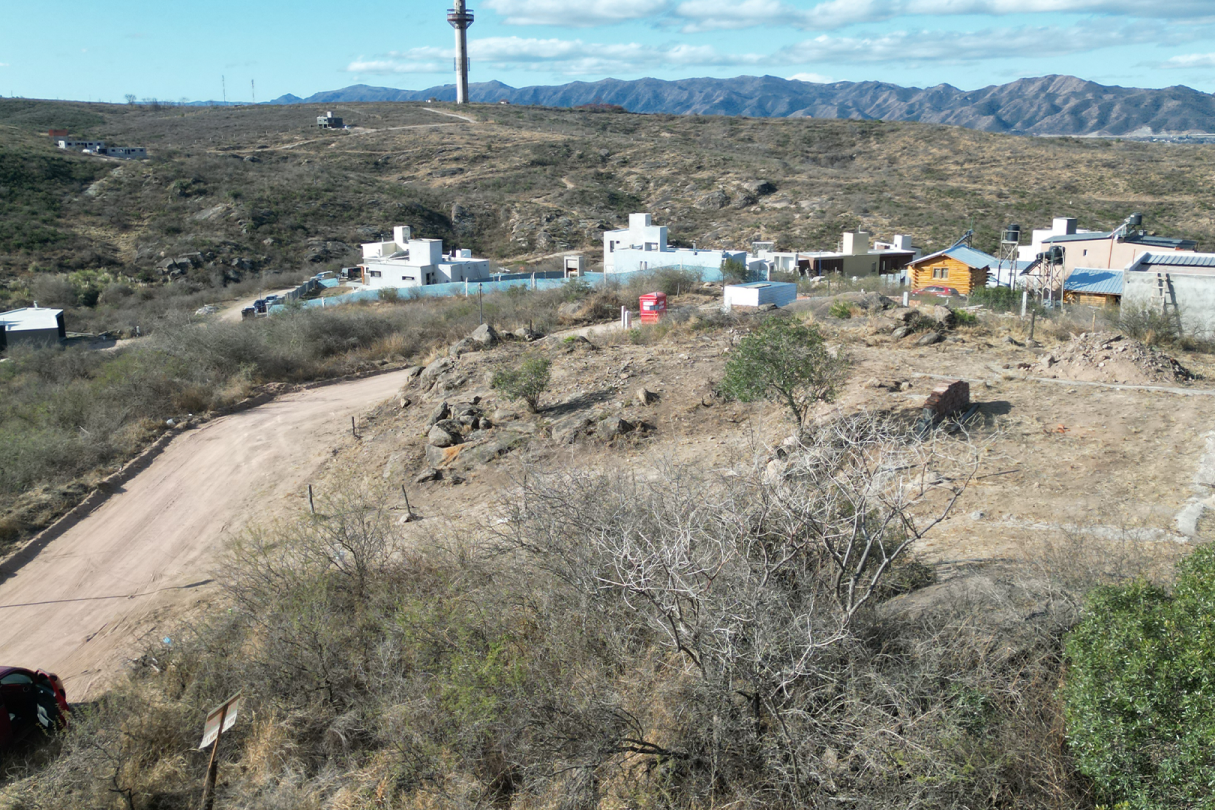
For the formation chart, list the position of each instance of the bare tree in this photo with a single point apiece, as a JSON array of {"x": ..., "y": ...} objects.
[{"x": 755, "y": 580}]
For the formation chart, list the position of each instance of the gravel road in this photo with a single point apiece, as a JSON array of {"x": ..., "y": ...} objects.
[{"x": 83, "y": 605}]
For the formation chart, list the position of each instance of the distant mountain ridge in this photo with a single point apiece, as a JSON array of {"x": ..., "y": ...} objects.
[{"x": 1047, "y": 105}]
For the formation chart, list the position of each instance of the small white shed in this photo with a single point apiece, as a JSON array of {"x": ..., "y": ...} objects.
[{"x": 758, "y": 293}]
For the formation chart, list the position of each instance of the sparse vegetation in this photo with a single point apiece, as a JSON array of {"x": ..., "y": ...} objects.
[
  {"x": 786, "y": 362},
  {"x": 528, "y": 382}
]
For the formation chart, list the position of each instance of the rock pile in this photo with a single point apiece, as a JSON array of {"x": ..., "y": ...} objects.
[{"x": 1109, "y": 357}]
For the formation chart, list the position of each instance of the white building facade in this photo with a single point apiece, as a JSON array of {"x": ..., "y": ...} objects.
[
  {"x": 643, "y": 246},
  {"x": 408, "y": 262}
]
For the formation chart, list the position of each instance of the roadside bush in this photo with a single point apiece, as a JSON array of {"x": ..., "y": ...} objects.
[
  {"x": 1140, "y": 690},
  {"x": 997, "y": 299},
  {"x": 786, "y": 362},
  {"x": 527, "y": 382},
  {"x": 675, "y": 280}
]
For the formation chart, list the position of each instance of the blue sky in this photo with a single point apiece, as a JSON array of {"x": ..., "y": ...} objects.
[{"x": 175, "y": 51}]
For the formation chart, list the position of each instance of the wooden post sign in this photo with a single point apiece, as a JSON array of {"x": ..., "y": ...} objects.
[{"x": 219, "y": 720}]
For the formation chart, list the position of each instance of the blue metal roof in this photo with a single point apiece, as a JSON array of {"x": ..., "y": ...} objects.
[
  {"x": 966, "y": 255},
  {"x": 1178, "y": 259},
  {"x": 1094, "y": 281}
]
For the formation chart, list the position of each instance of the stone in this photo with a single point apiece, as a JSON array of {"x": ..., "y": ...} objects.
[
  {"x": 412, "y": 372},
  {"x": 462, "y": 347},
  {"x": 526, "y": 333},
  {"x": 901, "y": 332},
  {"x": 1012, "y": 341},
  {"x": 445, "y": 433},
  {"x": 569, "y": 430},
  {"x": 645, "y": 397},
  {"x": 404, "y": 402},
  {"x": 929, "y": 339},
  {"x": 436, "y": 368},
  {"x": 943, "y": 315},
  {"x": 766, "y": 307},
  {"x": 948, "y": 398},
  {"x": 485, "y": 335},
  {"x": 455, "y": 480},
  {"x": 429, "y": 475},
  {"x": 442, "y": 411},
  {"x": 612, "y": 427}
]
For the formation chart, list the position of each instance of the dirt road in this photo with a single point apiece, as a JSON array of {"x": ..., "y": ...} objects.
[{"x": 82, "y": 605}]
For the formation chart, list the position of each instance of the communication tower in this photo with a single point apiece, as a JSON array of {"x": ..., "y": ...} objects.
[
  {"x": 1010, "y": 241},
  {"x": 460, "y": 18}
]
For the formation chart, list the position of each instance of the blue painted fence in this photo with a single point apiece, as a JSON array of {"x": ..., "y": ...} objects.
[{"x": 548, "y": 280}]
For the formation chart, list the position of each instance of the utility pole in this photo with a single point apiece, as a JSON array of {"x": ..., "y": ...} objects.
[
  {"x": 460, "y": 18},
  {"x": 223, "y": 81},
  {"x": 253, "y": 89}
]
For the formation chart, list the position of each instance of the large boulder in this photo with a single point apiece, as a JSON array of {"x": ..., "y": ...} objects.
[
  {"x": 485, "y": 335},
  {"x": 436, "y": 368},
  {"x": 445, "y": 433},
  {"x": 930, "y": 338},
  {"x": 612, "y": 427},
  {"x": 645, "y": 397},
  {"x": 570, "y": 430}
]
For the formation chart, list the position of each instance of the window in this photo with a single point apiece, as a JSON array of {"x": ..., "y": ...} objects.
[
  {"x": 940, "y": 272},
  {"x": 374, "y": 273},
  {"x": 14, "y": 678}
]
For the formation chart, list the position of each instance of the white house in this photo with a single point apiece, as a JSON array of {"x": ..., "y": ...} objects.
[
  {"x": 408, "y": 262},
  {"x": 643, "y": 246},
  {"x": 32, "y": 326},
  {"x": 81, "y": 146},
  {"x": 855, "y": 257},
  {"x": 99, "y": 148}
]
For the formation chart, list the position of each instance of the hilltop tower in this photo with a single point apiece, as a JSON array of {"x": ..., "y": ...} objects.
[{"x": 460, "y": 18}]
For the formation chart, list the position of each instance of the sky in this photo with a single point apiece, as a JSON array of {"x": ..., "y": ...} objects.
[{"x": 245, "y": 50}]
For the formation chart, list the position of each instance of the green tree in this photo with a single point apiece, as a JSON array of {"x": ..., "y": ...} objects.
[
  {"x": 527, "y": 382},
  {"x": 787, "y": 362},
  {"x": 1140, "y": 690}
]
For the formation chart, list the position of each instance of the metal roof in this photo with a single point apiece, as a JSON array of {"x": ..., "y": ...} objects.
[
  {"x": 1133, "y": 238},
  {"x": 1094, "y": 281},
  {"x": 30, "y": 318},
  {"x": 1177, "y": 259},
  {"x": 966, "y": 255}
]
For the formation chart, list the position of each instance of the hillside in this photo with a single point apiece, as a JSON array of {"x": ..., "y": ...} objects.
[
  {"x": 1047, "y": 105},
  {"x": 251, "y": 190}
]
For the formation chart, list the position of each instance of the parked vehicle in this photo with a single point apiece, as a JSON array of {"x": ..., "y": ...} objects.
[
  {"x": 30, "y": 700},
  {"x": 248, "y": 312},
  {"x": 259, "y": 306},
  {"x": 941, "y": 292}
]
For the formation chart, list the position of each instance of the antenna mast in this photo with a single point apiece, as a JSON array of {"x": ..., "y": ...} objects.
[{"x": 460, "y": 18}]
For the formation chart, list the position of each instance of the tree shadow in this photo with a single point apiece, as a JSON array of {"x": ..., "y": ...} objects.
[{"x": 578, "y": 403}]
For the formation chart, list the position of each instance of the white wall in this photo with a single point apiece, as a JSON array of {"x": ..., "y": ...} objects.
[{"x": 641, "y": 234}]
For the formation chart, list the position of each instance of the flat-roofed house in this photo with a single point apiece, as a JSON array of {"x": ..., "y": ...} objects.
[{"x": 34, "y": 326}]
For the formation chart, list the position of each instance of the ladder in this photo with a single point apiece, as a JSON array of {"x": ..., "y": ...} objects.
[{"x": 1167, "y": 298}]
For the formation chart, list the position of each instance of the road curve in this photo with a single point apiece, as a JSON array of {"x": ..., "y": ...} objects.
[{"x": 86, "y": 602}]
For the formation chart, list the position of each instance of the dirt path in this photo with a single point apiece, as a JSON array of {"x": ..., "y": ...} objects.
[
  {"x": 82, "y": 605},
  {"x": 231, "y": 312}
]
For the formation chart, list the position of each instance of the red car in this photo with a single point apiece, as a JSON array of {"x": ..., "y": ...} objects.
[
  {"x": 30, "y": 699},
  {"x": 942, "y": 292}
]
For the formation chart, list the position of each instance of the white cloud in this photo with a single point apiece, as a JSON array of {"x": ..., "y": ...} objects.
[
  {"x": 572, "y": 57},
  {"x": 812, "y": 78},
  {"x": 708, "y": 15},
  {"x": 1191, "y": 60},
  {"x": 577, "y": 14},
  {"x": 4, "y": 64},
  {"x": 966, "y": 47}
]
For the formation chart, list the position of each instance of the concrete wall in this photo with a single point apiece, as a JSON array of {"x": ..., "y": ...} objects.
[
  {"x": 1195, "y": 299},
  {"x": 631, "y": 260},
  {"x": 36, "y": 338}
]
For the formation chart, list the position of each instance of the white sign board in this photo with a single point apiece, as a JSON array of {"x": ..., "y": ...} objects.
[{"x": 225, "y": 713}]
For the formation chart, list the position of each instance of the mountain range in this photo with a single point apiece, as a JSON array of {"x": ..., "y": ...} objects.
[{"x": 1047, "y": 105}]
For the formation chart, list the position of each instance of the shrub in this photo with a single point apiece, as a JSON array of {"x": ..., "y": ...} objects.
[
  {"x": 1140, "y": 690},
  {"x": 735, "y": 272},
  {"x": 997, "y": 299},
  {"x": 964, "y": 318},
  {"x": 786, "y": 362},
  {"x": 841, "y": 310},
  {"x": 527, "y": 382}
]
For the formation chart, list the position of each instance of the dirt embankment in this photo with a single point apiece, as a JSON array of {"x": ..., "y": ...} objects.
[{"x": 1109, "y": 357}]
